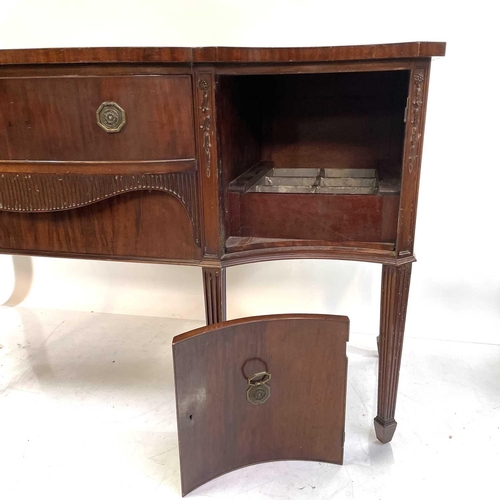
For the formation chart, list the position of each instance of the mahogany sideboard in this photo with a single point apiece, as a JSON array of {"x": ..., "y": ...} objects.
[{"x": 220, "y": 156}]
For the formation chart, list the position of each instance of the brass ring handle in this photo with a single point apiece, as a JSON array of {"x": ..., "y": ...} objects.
[
  {"x": 258, "y": 392},
  {"x": 111, "y": 117},
  {"x": 259, "y": 378}
]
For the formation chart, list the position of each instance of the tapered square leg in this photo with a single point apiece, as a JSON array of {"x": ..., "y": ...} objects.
[
  {"x": 384, "y": 430},
  {"x": 214, "y": 288},
  {"x": 394, "y": 300}
]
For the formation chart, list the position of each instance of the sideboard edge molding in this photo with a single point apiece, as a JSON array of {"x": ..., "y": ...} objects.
[{"x": 203, "y": 55}]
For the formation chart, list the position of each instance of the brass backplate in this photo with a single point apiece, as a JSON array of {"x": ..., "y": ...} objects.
[{"x": 111, "y": 117}]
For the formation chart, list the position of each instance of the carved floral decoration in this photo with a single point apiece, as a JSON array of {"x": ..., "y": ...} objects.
[{"x": 206, "y": 123}]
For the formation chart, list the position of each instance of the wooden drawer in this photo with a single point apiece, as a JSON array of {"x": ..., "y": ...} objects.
[{"x": 54, "y": 118}]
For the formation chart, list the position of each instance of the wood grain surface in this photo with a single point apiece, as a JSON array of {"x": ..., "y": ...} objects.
[
  {"x": 138, "y": 225},
  {"x": 393, "y": 305},
  {"x": 309, "y": 54},
  {"x": 219, "y": 430},
  {"x": 214, "y": 290},
  {"x": 318, "y": 217},
  {"x": 219, "y": 54},
  {"x": 209, "y": 114},
  {"x": 54, "y": 118},
  {"x": 97, "y": 55}
]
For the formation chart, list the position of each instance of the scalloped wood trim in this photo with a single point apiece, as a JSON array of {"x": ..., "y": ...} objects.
[{"x": 57, "y": 192}]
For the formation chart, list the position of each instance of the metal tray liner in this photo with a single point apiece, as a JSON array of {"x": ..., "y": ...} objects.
[{"x": 317, "y": 180}]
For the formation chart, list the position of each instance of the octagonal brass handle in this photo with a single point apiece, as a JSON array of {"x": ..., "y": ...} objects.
[{"x": 111, "y": 117}]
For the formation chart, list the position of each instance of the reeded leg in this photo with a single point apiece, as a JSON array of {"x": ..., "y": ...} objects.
[
  {"x": 395, "y": 288},
  {"x": 214, "y": 288}
]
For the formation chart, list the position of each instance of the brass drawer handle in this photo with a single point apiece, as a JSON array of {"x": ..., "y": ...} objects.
[
  {"x": 258, "y": 392},
  {"x": 111, "y": 117}
]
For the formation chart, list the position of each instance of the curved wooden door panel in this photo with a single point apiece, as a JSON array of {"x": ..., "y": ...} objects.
[{"x": 303, "y": 419}]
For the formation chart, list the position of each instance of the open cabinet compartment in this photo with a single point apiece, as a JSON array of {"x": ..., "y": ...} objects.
[{"x": 313, "y": 157}]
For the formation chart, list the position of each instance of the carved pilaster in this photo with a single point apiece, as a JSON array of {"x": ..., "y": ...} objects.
[
  {"x": 206, "y": 122},
  {"x": 394, "y": 300},
  {"x": 214, "y": 288},
  {"x": 416, "y": 117},
  {"x": 417, "y": 99},
  {"x": 204, "y": 83}
]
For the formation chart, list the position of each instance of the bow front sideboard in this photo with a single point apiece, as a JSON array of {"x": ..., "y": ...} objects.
[{"x": 220, "y": 156}]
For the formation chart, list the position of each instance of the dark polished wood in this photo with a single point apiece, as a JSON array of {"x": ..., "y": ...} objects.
[
  {"x": 98, "y": 167},
  {"x": 214, "y": 287},
  {"x": 203, "y": 87},
  {"x": 162, "y": 189},
  {"x": 44, "y": 192},
  {"x": 394, "y": 300},
  {"x": 291, "y": 216},
  {"x": 121, "y": 226},
  {"x": 320, "y": 67},
  {"x": 219, "y": 430},
  {"x": 94, "y": 69},
  {"x": 350, "y": 120},
  {"x": 220, "y": 54},
  {"x": 240, "y": 244},
  {"x": 54, "y": 118},
  {"x": 97, "y": 55},
  {"x": 312, "y": 250},
  {"x": 417, "y": 105},
  {"x": 308, "y": 54}
]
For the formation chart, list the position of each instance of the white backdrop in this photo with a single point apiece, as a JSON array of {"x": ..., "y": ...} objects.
[{"x": 455, "y": 292}]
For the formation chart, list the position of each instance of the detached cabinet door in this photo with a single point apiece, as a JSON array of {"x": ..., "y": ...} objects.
[{"x": 260, "y": 389}]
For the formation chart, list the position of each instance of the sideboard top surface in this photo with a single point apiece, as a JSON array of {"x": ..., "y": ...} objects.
[{"x": 220, "y": 55}]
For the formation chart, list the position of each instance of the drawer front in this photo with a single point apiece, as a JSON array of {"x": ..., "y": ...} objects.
[{"x": 56, "y": 118}]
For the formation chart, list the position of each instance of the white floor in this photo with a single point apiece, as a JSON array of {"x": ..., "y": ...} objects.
[{"x": 87, "y": 411}]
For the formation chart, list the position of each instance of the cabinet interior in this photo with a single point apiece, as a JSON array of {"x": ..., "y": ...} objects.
[{"x": 312, "y": 156}]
